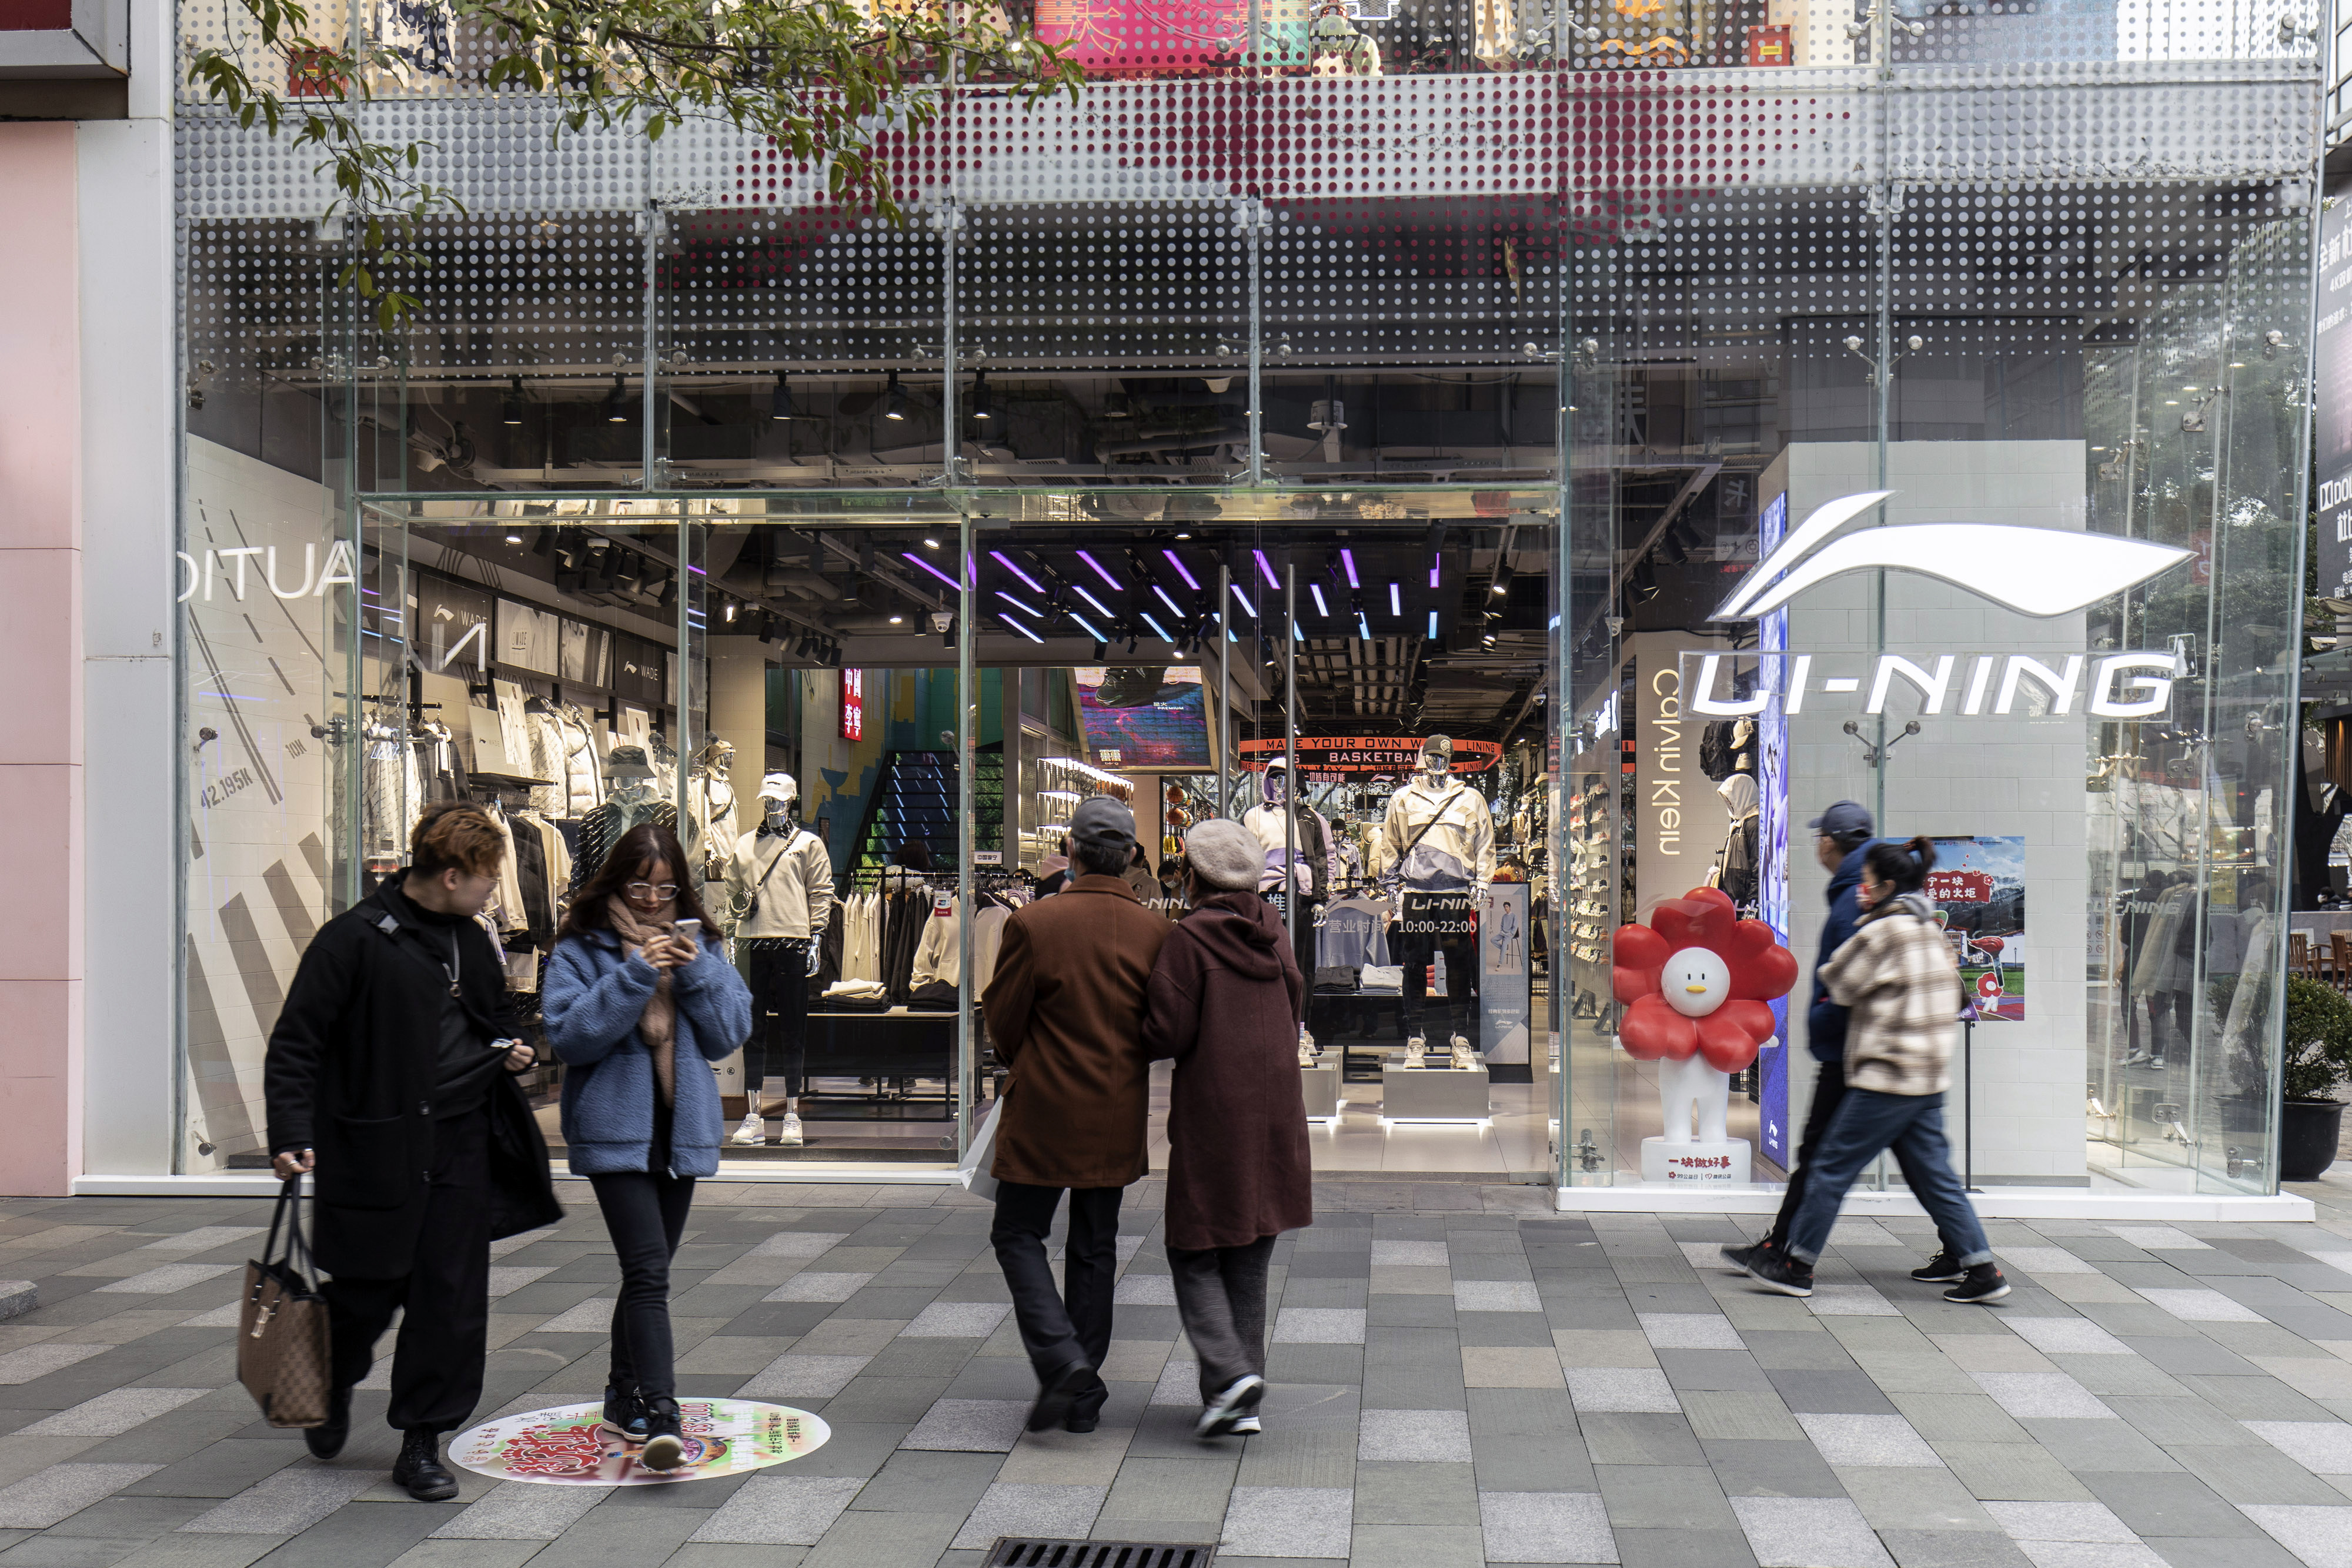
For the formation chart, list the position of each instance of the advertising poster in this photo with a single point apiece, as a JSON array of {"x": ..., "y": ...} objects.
[
  {"x": 1772, "y": 835},
  {"x": 1978, "y": 890},
  {"x": 1144, "y": 718},
  {"x": 570, "y": 1445},
  {"x": 2331, "y": 371},
  {"x": 1503, "y": 975}
]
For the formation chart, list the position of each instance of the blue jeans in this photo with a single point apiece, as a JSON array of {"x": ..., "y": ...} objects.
[{"x": 1868, "y": 1121}]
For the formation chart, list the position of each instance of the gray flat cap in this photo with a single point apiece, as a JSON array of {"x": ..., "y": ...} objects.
[
  {"x": 1102, "y": 823},
  {"x": 1224, "y": 855}
]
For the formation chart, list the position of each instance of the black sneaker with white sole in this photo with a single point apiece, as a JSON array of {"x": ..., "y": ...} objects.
[
  {"x": 1943, "y": 1269},
  {"x": 1984, "y": 1284},
  {"x": 1742, "y": 1258},
  {"x": 1778, "y": 1271}
]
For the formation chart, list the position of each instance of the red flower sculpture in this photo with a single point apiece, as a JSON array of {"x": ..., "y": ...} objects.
[{"x": 1696, "y": 980}]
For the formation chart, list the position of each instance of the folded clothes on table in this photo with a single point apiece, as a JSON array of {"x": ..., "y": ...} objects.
[
  {"x": 1338, "y": 977},
  {"x": 1381, "y": 977}
]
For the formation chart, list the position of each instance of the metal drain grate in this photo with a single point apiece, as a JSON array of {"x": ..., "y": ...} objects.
[{"x": 1030, "y": 1551}]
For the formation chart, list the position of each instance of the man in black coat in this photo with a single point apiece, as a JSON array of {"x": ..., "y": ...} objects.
[{"x": 390, "y": 1076}]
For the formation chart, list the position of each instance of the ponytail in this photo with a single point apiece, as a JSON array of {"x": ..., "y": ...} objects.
[{"x": 1903, "y": 867}]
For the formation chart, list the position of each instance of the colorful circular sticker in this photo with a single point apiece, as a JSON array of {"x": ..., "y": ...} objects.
[{"x": 573, "y": 1444}]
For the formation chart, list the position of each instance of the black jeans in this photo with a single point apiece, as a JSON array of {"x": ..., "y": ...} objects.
[
  {"x": 1073, "y": 1324},
  {"x": 777, "y": 971},
  {"x": 1415, "y": 950},
  {"x": 444, "y": 1298},
  {"x": 1221, "y": 1296},
  {"x": 645, "y": 1215}
]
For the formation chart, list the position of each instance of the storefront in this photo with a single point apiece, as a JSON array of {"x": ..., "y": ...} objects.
[{"x": 1518, "y": 405}]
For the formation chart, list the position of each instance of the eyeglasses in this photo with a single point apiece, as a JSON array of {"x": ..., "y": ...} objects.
[{"x": 641, "y": 890}]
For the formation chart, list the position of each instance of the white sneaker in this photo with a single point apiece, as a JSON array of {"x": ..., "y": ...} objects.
[
  {"x": 754, "y": 1130},
  {"x": 1415, "y": 1049},
  {"x": 790, "y": 1138},
  {"x": 1463, "y": 1055},
  {"x": 1246, "y": 1427},
  {"x": 1239, "y": 1399}
]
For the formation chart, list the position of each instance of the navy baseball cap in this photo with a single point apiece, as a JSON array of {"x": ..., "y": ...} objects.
[{"x": 1845, "y": 819}]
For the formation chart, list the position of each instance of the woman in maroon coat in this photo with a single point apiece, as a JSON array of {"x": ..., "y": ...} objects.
[{"x": 1224, "y": 1003}]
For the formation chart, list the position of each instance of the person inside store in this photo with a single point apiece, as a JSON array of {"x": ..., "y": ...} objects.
[
  {"x": 1065, "y": 1010},
  {"x": 1841, "y": 834},
  {"x": 637, "y": 1009},
  {"x": 1227, "y": 1001},
  {"x": 1172, "y": 876},
  {"x": 390, "y": 1076},
  {"x": 1901, "y": 986},
  {"x": 1138, "y": 877}
]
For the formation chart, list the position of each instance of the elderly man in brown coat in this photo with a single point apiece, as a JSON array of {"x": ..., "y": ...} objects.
[
  {"x": 1066, "y": 1011},
  {"x": 1225, "y": 1004}
]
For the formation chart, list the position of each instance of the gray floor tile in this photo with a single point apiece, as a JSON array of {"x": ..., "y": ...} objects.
[
  {"x": 1684, "y": 1549},
  {"x": 2222, "y": 1551},
  {"x": 1028, "y": 1508},
  {"x": 48, "y": 1496},
  {"x": 1808, "y": 1532},
  {"x": 974, "y": 1425},
  {"x": 2177, "y": 1504},
  {"x": 1663, "y": 1497},
  {"x": 1546, "y": 1527},
  {"x": 1287, "y": 1522},
  {"x": 2088, "y": 1554},
  {"x": 2240, "y": 1476},
  {"x": 1791, "y": 1468},
  {"x": 1192, "y": 1489},
  {"x": 291, "y": 1500},
  {"x": 1418, "y": 1491},
  {"x": 871, "y": 1540},
  {"x": 1952, "y": 1549},
  {"x": 1418, "y": 1546},
  {"x": 112, "y": 1412},
  {"x": 1885, "y": 1440},
  {"x": 1612, "y": 1439},
  {"x": 522, "y": 1511}
]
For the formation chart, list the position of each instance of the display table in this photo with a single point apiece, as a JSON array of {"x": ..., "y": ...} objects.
[
  {"x": 1433, "y": 1093},
  {"x": 1320, "y": 1086},
  {"x": 884, "y": 1045}
]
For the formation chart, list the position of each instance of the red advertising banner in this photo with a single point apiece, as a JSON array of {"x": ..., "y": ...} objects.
[
  {"x": 1959, "y": 887},
  {"x": 1383, "y": 754},
  {"x": 853, "y": 704}
]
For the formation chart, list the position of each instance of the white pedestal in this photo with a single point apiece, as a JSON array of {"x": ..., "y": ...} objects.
[
  {"x": 1433, "y": 1093},
  {"x": 1722, "y": 1164},
  {"x": 1320, "y": 1087}
]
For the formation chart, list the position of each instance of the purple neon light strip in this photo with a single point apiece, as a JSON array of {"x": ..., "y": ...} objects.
[
  {"x": 1080, "y": 589},
  {"x": 1349, "y": 557},
  {"x": 1004, "y": 560},
  {"x": 1271, "y": 580},
  {"x": 1173, "y": 607},
  {"x": 1244, "y": 599},
  {"x": 935, "y": 572},
  {"x": 1022, "y": 630},
  {"x": 1182, "y": 570},
  {"x": 1106, "y": 576}
]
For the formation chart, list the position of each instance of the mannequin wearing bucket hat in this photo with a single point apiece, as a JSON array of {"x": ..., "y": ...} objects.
[{"x": 630, "y": 801}]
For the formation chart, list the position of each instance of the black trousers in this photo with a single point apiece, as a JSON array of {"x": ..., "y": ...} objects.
[
  {"x": 1058, "y": 1327},
  {"x": 444, "y": 1298},
  {"x": 1415, "y": 950},
  {"x": 645, "y": 1215},
  {"x": 1829, "y": 1091},
  {"x": 777, "y": 971},
  {"x": 1221, "y": 1296}
]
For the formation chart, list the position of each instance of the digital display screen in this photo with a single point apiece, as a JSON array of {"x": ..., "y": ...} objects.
[{"x": 1147, "y": 716}]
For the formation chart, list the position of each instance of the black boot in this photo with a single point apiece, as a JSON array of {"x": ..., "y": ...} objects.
[
  {"x": 326, "y": 1440},
  {"x": 420, "y": 1470},
  {"x": 664, "y": 1433}
]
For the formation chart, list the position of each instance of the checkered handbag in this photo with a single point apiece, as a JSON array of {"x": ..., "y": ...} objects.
[{"x": 282, "y": 1324}]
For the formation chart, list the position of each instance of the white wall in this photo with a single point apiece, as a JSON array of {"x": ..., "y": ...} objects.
[{"x": 2013, "y": 775}]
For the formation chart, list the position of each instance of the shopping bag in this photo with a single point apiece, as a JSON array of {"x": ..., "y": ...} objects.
[
  {"x": 973, "y": 1171},
  {"x": 282, "y": 1324}
]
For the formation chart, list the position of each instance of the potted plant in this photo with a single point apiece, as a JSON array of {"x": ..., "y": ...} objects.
[{"x": 2316, "y": 1057}]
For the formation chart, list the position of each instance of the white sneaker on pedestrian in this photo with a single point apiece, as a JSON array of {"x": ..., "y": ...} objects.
[
  {"x": 1247, "y": 1427},
  {"x": 1239, "y": 1399},
  {"x": 790, "y": 1138},
  {"x": 752, "y": 1131}
]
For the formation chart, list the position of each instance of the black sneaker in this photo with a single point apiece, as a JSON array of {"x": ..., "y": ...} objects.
[
  {"x": 1943, "y": 1269},
  {"x": 1056, "y": 1394},
  {"x": 1984, "y": 1284},
  {"x": 664, "y": 1434},
  {"x": 1743, "y": 1257},
  {"x": 1778, "y": 1271},
  {"x": 624, "y": 1412}
]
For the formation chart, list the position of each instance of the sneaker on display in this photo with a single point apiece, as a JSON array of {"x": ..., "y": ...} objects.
[
  {"x": 1463, "y": 1055},
  {"x": 790, "y": 1138},
  {"x": 1984, "y": 1284},
  {"x": 752, "y": 1131},
  {"x": 1306, "y": 1047},
  {"x": 1415, "y": 1050}
]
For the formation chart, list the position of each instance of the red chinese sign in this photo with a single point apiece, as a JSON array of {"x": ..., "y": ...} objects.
[
  {"x": 853, "y": 704},
  {"x": 1959, "y": 887}
]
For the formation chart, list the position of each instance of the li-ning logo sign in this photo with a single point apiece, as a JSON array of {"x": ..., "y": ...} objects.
[{"x": 2035, "y": 571}]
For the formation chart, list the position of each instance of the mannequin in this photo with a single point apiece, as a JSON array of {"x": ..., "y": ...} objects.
[
  {"x": 710, "y": 802},
  {"x": 1300, "y": 838},
  {"x": 780, "y": 891},
  {"x": 630, "y": 799},
  {"x": 1439, "y": 839},
  {"x": 1735, "y": 863}
]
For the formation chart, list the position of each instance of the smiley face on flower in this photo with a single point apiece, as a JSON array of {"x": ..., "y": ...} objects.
[{"x": 1696, "y": 981}]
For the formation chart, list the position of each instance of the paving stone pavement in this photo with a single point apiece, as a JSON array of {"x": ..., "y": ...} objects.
[{"x": 1460, "y": 1376}]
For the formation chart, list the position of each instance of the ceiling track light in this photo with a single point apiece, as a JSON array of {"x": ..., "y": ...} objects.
[
  {"x": 511, "y": 402},
  {"x": 779, "y": 400},
  {"x": 980, "y": 409},
  {"x": 894, "y": 399},
  {"x": 616, "y": 403}
]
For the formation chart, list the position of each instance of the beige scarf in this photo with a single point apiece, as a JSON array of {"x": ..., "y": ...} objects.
[{"x": 658, "y": 1024}]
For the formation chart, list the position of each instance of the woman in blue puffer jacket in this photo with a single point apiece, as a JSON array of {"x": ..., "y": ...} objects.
[{"x": 635, "y": 1006}]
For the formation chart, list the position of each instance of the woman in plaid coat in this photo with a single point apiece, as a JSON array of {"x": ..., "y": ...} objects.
[{"x": 1897, "y": 978}]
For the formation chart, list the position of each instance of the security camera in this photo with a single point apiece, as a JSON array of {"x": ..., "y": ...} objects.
[
  {"x": 1616, "y": 624},
  {"x": 942, "y": 621}
]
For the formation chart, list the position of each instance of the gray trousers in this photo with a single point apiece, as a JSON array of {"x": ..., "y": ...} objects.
[{"x": 1221, "y": 1296}]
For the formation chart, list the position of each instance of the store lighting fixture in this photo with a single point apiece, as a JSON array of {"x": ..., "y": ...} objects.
[
  {"x": 1363, "y": 627},
  {"x": 1173, "y": 607},
  {"x": 935, "y": 572},
  {"x": 1087, "y": 627},
  {"x": 1080, "y": 589},
  {"x": 730, "y": 609},
  {"x": 1396, "y": 602},
  {"x": 1022, "y": 630},
  {"x": 1320, "y": 608},
  {"x": 1502, "y": 588},
  {"x": 511, "y": 402},
  {"x": 1009, "y": 564},
  {"x": 616, "y": 403},
  {"x": 779, "y": 400},
  {"x": 1248, "y": 607},
  {"x": 895, "y": 399},
  {"x": 1271, "y": 580},
  {"x": 1432, "y": 624},
  {"x": 1182, "y": 570},
  {"x": 930, "y": 544},
  {"x": 980, "y": 409},
  {"x": 514, "y": 538},
  {"x": 1111, "y": 581},
  {"x": 1016, "y": 604},
  {"x": 1436, "y": 563},
  {"x": 1059, "y": 795},
  {"x": 1296, "y": 635},
  {"x": 1088, "y": 769},
  {"x": 898, "y": 621},
  {"x": 1158, "y": 631},
  {"x": 1348, "y": 557}
]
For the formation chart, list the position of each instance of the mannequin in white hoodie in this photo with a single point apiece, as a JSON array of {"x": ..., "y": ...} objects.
[
  {"x": 1438, "y": 837},
  {"x": 780, "y": 891}
]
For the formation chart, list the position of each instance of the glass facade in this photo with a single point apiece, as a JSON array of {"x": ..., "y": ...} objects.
[{"x": 1325, "y": 375}]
